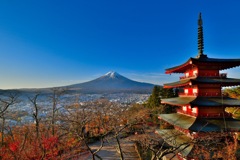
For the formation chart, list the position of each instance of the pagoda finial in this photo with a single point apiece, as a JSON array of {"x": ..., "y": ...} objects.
[{"x": 200, "y": 36}]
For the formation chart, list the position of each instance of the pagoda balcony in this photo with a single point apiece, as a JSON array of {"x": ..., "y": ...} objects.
[
  {"x": 187, "y": 94},
  {"x": 185, "y": 77},
  {"x": 213, "y": 75},
  {"x": 205, "y": 115},
  {"x": 187, "y": 113},
  {"x": 210, "y": 94},
  {"x": 214, "y": 115}
]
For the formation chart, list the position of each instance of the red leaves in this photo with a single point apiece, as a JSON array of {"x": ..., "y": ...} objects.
[
  {"x": 50, "y": 142},
  {"x": 23, "y": 143},
  {"x": 14, "y": 146}
]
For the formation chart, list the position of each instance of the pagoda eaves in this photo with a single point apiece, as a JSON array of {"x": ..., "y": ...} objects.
[
  {"x": 219, "y": 64},
  {"x": 223, "y": 82},
  {"x": 202, "y": 101},
  {"x": 196, "y": 124}
]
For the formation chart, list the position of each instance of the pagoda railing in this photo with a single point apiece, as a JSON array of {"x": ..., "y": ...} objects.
[
  {"x": 214, "y": 115},
  {"x": 187, "y": 94},
  {"x": 205, "y": 115},
  {"x": 210, "y": 94},
  {"x": 187, "y": 112},
  {"x": 212, "y": 75},
  {"x": 205, "y": 94},
  {"x": 215, "y": 75},
  {"x": 221, "y": 75},
  {"x": 185, "y": 77}
]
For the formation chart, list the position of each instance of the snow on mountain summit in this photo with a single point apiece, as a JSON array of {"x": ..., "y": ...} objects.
[{"x": 112, "y": 74}]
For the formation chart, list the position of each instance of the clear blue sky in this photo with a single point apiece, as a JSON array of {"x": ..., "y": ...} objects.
[{"x": 59, "y": 42}]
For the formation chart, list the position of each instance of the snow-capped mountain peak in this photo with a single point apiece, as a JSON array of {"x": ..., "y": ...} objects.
[
  {"x": 112, "y": 74},
  {"x": 112, "y": 82}
]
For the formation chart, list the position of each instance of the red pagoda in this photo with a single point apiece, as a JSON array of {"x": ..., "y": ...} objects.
[{"x": 200, "y": 104}]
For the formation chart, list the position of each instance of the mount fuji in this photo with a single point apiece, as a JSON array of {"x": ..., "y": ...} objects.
[{"x": 111, "y": 82}]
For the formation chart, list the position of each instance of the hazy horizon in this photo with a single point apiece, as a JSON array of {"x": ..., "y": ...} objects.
[{"x": 77, "y": 82}]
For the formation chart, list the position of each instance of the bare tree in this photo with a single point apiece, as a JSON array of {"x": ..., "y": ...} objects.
[
  {"x": 6, "y": 100},
  {"x": 158, "y": 148},
  {"x": 55, "y": 98},
  {"x": 93, "y": 120},
  {"x": 210, "y": 145},
  {"x": 35, "y": 113},
  {"x": 124, "y": 121},
  {"x": 74, "y": 121}
]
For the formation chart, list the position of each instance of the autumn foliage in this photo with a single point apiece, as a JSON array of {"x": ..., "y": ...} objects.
[
  {"x": 232, "y": 92},
  {"x": 22, "y": 143}
]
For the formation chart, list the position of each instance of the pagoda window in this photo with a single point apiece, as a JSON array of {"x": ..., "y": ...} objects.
[
  {"x": 195, "y": 110},
  {"x": 184, "y": 108},
  {"x": 195, "y": 72},
  {"x": 187, "y": 74},
  {"x": 195, "y": 91},
  {"x": 186, "y": 91}
]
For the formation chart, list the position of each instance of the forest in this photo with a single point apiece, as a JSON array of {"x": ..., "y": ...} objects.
[{"x": 68, "y": 130}]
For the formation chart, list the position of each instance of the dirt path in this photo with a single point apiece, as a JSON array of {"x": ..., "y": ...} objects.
[{"x": 109, "y": 150}]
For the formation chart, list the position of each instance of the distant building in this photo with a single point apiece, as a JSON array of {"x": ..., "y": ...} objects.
[{"x": 200, "y": 104}]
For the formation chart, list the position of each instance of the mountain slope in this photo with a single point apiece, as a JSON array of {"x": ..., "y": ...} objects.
[{"x": 112, "y": 82}]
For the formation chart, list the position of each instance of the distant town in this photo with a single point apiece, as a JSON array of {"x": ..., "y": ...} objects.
[{"x": 23, "y": 108}]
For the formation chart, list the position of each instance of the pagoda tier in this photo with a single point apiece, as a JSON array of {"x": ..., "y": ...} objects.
[
  {"x": 205, "y": 63},
  {"x": 203, "y": 107},
  {"x": 221, "y": 82},
  {"x": 202, "y": 101}
]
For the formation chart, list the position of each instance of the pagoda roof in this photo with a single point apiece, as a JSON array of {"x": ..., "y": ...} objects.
[
  {"x": 202, "y": 101},
  {"x": 196, "y": 124},
  {"x": 176, "y": 139},
  {"x": 203, "y": 60},
  {"x": 189, "y": 122},
  {"x": 231, "y": 123},
  {"x": 178, "y": 101},
  {"x": 204, "y": 80}
]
